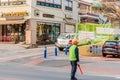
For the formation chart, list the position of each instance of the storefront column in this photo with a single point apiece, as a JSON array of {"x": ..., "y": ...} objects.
[
  {"x": 31, "y": 32},
  {"x": 0, "y": 32},
  {"x": 62, "y": 28}
]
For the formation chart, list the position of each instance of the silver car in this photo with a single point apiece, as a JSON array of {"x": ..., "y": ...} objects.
[{"x": 63, "y": 40}]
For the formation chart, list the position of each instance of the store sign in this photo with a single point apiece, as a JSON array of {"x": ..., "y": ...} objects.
[
  {"x": 24, "y": 13},
  {"x": 86, "y": 35},
  {"x": 20, "y": 17},
  {"x": 105, "y": 30},
  {"x": 48, "y": 16}
]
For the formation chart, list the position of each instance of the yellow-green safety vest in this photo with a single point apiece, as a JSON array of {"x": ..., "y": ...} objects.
[{"x": 72, "y": 55}]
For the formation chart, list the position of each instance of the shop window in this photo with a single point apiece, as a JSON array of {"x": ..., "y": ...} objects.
[
  {"x": 4, "y": 4},
  {"x": 13, "y": 33},
  {"x": 47, "y": 32}
]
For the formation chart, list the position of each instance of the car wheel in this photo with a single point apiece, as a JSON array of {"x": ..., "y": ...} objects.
[
  {"x": 60, "y": 49},
  {"x": 104, "y": 55},
  {"x": 119, "y": 55},
  {"x": 113, "y": 55}
]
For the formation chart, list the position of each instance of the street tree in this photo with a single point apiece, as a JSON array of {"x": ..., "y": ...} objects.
[{"x": 111, "y": 10}]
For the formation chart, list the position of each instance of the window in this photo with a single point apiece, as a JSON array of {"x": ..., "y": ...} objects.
[
  {"x": 57, "y": 2},
  {"x": 12, "y": 2},
  {"x": 41, "y": 0},
  {"x": 4, "y": 0},
  {"x": 118, "y": 43},
  {"x": 68, "y": 5},
  {"x": 47, "y": 32},
  {"x": 50, "y": 3}
]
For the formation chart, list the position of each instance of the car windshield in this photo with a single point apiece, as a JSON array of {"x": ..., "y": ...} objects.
[
  {"x": 66, "y": 36},
  {"x": 110, "y": 43},
  {"x": 119, "y": 43}
]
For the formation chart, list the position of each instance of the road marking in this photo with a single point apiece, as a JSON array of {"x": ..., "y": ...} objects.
[{"x": 35, "y": 61}]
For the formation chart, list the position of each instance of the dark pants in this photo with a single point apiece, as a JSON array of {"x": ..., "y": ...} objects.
[{"x": 74, "y": 69}]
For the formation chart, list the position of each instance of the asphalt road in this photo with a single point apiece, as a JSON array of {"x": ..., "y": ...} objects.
[{"x": 17, "y": 63}]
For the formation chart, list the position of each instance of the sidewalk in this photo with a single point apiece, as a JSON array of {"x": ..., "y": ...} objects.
[
  {"x": 11, "y": 47},
  {"x": 15, "y": 51}
]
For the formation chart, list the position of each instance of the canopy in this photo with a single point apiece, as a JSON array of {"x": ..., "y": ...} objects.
[{"x": 3, "y": 22}]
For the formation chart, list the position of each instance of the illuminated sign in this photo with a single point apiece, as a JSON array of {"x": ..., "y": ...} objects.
[{"x": 24, "y": 13}]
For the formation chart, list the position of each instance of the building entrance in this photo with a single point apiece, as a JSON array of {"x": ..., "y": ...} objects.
[{"x": 12, "y": 33}]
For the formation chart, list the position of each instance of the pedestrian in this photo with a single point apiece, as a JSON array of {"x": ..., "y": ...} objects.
[{"x": 74, "y": 58}]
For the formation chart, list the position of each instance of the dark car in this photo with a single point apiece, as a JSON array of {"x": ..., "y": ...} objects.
[{"x": 111, "y": 48}]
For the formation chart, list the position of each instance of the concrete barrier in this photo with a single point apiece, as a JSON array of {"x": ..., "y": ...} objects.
[{"x": 91, "y": 50}]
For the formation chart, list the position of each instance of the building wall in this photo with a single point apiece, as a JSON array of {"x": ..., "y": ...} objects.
[
  {"x": 59, "y": 16},
  {"x": 31, "y": 19}
]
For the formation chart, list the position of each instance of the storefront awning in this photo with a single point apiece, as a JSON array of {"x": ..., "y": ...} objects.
[{"x": 3, "y": 22}]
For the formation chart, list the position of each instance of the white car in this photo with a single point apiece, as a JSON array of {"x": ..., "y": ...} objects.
[{"x": 63, "y": 40}]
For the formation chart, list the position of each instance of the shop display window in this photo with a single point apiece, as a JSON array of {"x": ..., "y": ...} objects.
[
  {"x": 47, "y": 32},
  {"x": 13, "y": 33}
]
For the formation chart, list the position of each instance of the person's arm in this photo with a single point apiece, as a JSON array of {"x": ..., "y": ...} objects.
[{"x": 77, "y": 54}]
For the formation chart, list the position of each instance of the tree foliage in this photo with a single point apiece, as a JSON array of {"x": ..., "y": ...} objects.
[{"x": 111, "y": 10}]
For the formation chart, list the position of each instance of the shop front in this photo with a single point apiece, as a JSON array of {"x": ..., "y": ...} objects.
[
  {"x": 12, "y": 27},
  {"x": 12, "y": 32},
  {"x": 47, "y": 32}
]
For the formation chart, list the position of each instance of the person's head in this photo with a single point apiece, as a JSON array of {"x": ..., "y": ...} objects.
[{"x": 75, "y": 42}]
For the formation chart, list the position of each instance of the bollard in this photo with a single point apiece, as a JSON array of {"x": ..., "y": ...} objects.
[
  {"x": 45, "y": 52},
  {"x": 66, "y": 49},
  {"x": 55, "y": 51},
  {"x": 91, "y": 49}
]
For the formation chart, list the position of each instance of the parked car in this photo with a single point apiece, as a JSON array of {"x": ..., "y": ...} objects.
[
  {"x": 63, "y": 40},
  {"x": 111, "y": 48}
]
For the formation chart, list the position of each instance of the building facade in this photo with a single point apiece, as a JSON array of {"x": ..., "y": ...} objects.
[
  {"x": 36, "y": 21},
  {"x": 90, "y": 12},
  {"x": 86, "y": 13}
]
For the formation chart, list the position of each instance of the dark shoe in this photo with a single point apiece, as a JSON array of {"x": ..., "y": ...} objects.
[{"x": 74, "y": 79}]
